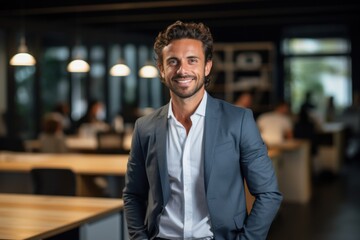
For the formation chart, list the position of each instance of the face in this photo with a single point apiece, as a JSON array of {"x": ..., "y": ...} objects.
[{"x": 184, "y": 68}]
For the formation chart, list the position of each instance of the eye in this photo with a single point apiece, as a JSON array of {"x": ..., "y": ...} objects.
[
  {"x": 172, "y": 62},
  {"x": 193, "y": 60}
]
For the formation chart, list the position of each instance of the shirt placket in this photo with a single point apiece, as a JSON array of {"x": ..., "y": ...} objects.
[{"x": 187, "y": 188}]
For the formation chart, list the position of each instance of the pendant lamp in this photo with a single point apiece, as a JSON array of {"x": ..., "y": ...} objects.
[
  {"x": 120, "y": 70},
  {"x": 78, "y": 64},
  {"x": 22, "y": 58},
  {"x": 148, "y": 71}
]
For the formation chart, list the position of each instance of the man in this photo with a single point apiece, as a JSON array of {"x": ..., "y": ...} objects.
[
  {"x": 276, "y": 126},
  {"x": 189, "y": 159}
]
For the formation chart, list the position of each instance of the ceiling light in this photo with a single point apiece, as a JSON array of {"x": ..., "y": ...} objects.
[
  {"x": 78, "y": 66},
  {"x": 23, "y": 58},
  {"x": 148, "y": 71},
  {"x": 120, "y": 70}
]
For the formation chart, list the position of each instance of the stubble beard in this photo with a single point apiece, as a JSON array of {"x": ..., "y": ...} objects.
[{"x": 185, "y": 94}]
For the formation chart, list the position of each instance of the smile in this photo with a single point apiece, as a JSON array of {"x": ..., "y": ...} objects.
[{"x": 183, "y": 82}]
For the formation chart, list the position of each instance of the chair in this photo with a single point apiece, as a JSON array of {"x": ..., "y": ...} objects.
[
  {"x": 53, "y": 181},
  {"x": 12, "y": 144}
]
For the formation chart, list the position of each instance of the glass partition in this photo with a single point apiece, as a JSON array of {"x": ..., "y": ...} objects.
[{"x": 319, "y": 66}]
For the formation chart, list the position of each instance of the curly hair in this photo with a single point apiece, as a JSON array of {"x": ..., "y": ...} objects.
[{"x": 181, "y": 30}]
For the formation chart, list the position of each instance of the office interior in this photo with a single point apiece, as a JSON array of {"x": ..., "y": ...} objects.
[{"x": 277, "y": 50}]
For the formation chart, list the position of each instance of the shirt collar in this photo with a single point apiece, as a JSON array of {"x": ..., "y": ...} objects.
[{"x": 201, "y": 109}]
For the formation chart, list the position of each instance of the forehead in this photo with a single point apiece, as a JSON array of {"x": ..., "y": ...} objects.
[{"x": 184, "y": 46}]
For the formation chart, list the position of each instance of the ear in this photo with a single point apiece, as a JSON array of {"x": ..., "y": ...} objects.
[
  {"x": 161, "y": 71},
  {"x": 208, "y": 66}
]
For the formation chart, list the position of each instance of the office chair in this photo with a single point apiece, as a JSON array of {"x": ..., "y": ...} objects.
[{"x": 53, "y": 181}]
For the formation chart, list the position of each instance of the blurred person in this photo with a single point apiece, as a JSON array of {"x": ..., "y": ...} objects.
[
  {"x": 276, "y": 126},
  {"x": 330, "y": 110},
  {"x": 189, "y": 159},
  {"x": 305, "y": 128},
  {"x": 52, "y": 138},
  {"x": 245, "y": 100},
  {"x": 118, "y": 123},
  {"x": 308, "y": 105},
  {"x": 64, "y": 111},
  {"x": 92, "y": 121}
]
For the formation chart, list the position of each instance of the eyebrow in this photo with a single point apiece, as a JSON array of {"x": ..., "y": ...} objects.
[
  {"x": 171, "y": 58},
  {"x": 193, "y": 57}
]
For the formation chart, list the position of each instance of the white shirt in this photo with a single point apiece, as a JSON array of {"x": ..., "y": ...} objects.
[
  {"x": 273, "y": 127},
  {"x": 186, "y": 214}
]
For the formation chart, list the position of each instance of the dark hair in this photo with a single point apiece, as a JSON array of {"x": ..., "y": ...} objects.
[
  {"x": 180, "y": 30},
  {"x": 51, "y": 123}
]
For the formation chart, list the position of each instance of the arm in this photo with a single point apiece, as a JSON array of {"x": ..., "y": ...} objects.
[
  {"x": 261, "y": 179},
  {"x": 136, "y": 190}
]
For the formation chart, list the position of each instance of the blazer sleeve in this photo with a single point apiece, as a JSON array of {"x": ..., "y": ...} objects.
[{"x": 261, "y": 180}]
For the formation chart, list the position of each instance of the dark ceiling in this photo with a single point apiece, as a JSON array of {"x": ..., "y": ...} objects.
[{"x": 224, "y": 17}]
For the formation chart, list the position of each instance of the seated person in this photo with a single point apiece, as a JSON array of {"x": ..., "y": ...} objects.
[
  {"x": 245, "y": 100},
  {"x": 64, "y": 111},
  {"x": 276, "y": 126},
  {"x": 305, "y": 128},
  {"x": 52, "y": 138},
  {"x": 91, "y": 123}
]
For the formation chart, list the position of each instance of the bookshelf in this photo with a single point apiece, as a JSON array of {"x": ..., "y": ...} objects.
[{"x": 239, "y": 67}]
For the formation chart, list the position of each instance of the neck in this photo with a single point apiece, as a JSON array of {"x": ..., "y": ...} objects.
[{"x": 183, "y": 108}]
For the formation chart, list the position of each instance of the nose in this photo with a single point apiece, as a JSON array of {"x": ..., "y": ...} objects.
[{"x": 181, "y": 68}]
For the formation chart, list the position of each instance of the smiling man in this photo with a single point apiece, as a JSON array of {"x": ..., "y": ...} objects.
[{"x": 189, "y": 159}]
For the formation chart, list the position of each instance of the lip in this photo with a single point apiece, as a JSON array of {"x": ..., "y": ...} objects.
[{"x": 183, "y": 82}]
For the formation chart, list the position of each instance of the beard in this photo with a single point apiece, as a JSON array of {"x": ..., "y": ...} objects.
[{"x": 185, "y": 92}]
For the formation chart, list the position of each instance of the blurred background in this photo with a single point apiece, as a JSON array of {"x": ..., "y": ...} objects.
[{"x": 306, "y": 53}]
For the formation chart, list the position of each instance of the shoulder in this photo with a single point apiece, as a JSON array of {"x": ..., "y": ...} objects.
[
  {"x": 226, "y": 110},
  {"x": 150, "y": 120}
]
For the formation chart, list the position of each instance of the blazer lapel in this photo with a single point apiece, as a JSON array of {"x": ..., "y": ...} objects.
[
  {"x": 160, "y": 137},
  {"x": 212, "y": 121}
]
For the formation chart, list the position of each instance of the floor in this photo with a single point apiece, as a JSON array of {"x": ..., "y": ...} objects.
[{"x": 332, "y": 214}]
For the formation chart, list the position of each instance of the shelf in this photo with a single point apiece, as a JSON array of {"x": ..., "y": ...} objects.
[{"x": 239, "y": 67}]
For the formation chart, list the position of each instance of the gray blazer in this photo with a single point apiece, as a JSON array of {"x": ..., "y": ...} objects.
[{"x": 233, "y": 151}]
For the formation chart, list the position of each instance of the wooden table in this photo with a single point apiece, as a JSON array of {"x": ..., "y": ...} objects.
[
  {"x": 73, "y": 143},
  {"x": 82, "y": 164},
  {"x": 15, "y": 168},
  {"x": 25, "y": 216},
  {"x": 293, "y": 170},
  {"x": 76, "y": 143}
]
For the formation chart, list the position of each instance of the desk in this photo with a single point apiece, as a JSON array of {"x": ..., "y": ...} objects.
[
  {"x": 330, "y": 156},
  {"x": 294, "y": 170},
  {"x": 76, "y": 143},
  {"x": 37, "y": 217},
  {"x": 73, "y": 143},
  {"x": 15, "y": 168}
]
